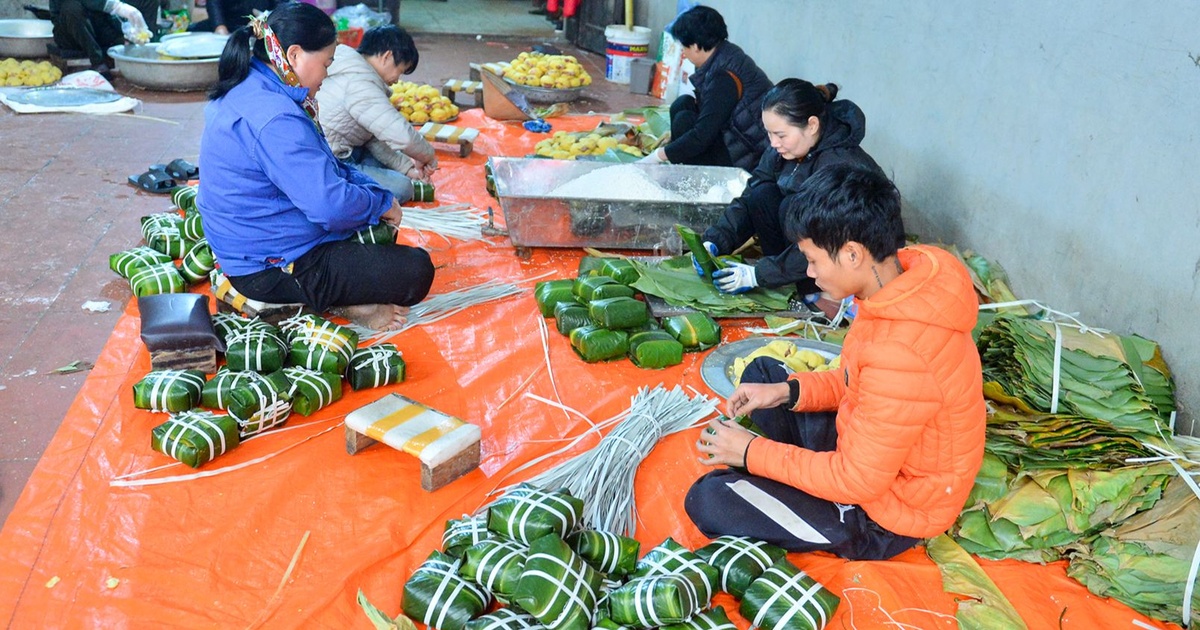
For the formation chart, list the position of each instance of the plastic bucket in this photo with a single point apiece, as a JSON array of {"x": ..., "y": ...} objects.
[{"x": 623, "y": 46}]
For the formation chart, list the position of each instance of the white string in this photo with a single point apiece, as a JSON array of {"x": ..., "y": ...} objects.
[
  {"x": 1054, "y": 316},
  {"x": 550, "y": 368},
  {"x": 453, "y": 221},
  {"x": 1194, "y": 569},
  {"x": 1057, "y": 371}
]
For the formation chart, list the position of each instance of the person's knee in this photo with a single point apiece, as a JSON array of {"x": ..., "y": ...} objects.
[
  {"x": 764, "y": 370},
  {"x": 685, "y": 103},
  {"x": 422, "y": 272},
  {"x": 705, "y": 504},
  {"x": 765, "y": 197}
]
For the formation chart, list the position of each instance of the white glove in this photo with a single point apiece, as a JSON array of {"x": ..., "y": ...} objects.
[
  {"x": 130, "y": 14},
  {"x": 657, "y": 156},
  {"x": 736, "y": 278}
]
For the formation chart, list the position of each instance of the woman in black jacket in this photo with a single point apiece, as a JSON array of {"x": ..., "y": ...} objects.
[{"x": 808, "y": 130}]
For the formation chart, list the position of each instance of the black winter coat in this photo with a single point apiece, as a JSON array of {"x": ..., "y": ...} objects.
[{"x": 744, "y": 135}]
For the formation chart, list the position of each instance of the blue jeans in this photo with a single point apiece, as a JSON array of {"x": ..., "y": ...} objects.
[{"x": 399, "y": 184}]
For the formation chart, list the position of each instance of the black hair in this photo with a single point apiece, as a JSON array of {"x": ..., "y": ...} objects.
[
  {"x": 294, "y": 23},
  {"x": 796, "y": 100},
  {"x": 381, "y": 39},
  {"x": 842, "y": 203},
  {"x": 701, "y": 26}
]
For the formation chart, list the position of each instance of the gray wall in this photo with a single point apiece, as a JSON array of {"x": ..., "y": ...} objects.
[
  {"x": 12, "y": 8},
  {"x": 1058, "y": 138}
]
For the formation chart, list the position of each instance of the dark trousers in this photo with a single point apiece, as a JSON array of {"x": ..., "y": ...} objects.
[
  {"x": 761, "y": 214},
  {"x": 732, "y": 502},
  {"x": 94, "y": 32},
  {"x": 345, "y": 273},
  {"x": 684, "y": 112}
]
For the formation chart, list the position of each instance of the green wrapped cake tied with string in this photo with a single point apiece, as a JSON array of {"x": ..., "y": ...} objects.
[
  {"x": 496, "y": 566},
  {"x": 225, "y": 324},
  {"x": 607, "y": 552},
  {"x": 130, "y": 261},
  {"x": 786, "y": 598},
  {"x": 740, "y": 561},
  {"x": 714, "y": 618},
  {"x": 312, "y": 391},
  {"x": 195, "y": 437},
  {"x": 653, "y": 601},
  {"x": 550, "y": 293},
  {"x": 156, "y": 280},
  {"x": 319, "y": 344},
  {"x": 191, "y": 227},
  {"x": 557, "y": 586},
  {"x": 468, "y": 531},
  {"x": 256, "y": 348},
  {"x": 375, "y": 366},
  {"x": 380, "y": 233},
  {"x": 505, "y": 619},
  {"x": 216, "y": 391},
  {"x": 672, "y": 558},
  {"x": 164, "y": 232},
  {"x": 260, "y": 405},
  {"x": 197, "y": 263},
  {"x": 439, "y": 597},
  {"x": 526, "y": 513},
  {"x": 169, "y": 390},
  {"x": 594, "y": 344}
]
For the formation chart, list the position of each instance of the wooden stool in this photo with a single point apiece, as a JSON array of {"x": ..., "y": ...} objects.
[
  {"x": 229, "y": 300},
  {"x": 496, "y": 67},
  {"x": 447, "y": 447},
  {"x": 67, "y": 60},
  {"x": 464, "y": 137},
  {"x": 454, "y": 86}
]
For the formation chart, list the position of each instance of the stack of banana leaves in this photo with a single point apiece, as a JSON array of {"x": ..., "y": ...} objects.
[
  {"x": 1145, "y": 561},
  {"x": 675, "y": 280}
]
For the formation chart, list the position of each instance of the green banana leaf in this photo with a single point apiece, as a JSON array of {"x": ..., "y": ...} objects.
[
  {"x": 607, "y": 552},
  {"x": 650, "y": 602},
  {"x": 260, "y": 405},
  {"x": 694, "y": 244},
  {"x": 319, "y": 344},
  {"x": 379, "y": 233},
  {"x": 740, "y": 561},
  {"x": 195, "y": 437},
  {"x": 551, "y": 293},
  {"x": 496, "y": 566},
  {"x": 588, "y": 288},
  {"x": 619, "y": 269},
  {"x": 571, "y": 315},
  {"x": 215, "y": 394},
  {"x": 618, "y": 313},
  {"x": 672, "y": 558},
  {"x": 526, "y": 513},
  {"x": 984, "y": 607},
  {"x": 462, "y": 533},
  {"x": 557, "y": 586},
  {"x": 164, "y": 232},
  {"x": 675, "y": 281},
  {"x": 257, "y": 348},
  {"x": 192, "y": 228},
  {"x": 380, "y": 620},
  {"x": 786, "y": 598},
  {"x": 130, "y": 261},
  {"x": 714, "y": 618},
  {"x": 169, "y": 390},
  {"x": 696, "y": 331},
  {"x": 375, "y": 366},
  {"x": 225, "y": 324},
  {"x": 594, "y": 344},
  {"x": 504, "y": 619},
  {"x": 184, "y": 198},
  {"x": 437, "y": 596},
  {"x": 156, "y": 280},
  {"x": 655, "y": 349},
  {"x": 197, "y": 263},
  {"x": 312, "y": 391}
]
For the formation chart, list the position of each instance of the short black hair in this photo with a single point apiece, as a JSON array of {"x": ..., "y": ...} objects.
[
  {"x": 842, "y": 203},
  {"x": 381, "y": 39},
  {"x": 701, "y": 26}
]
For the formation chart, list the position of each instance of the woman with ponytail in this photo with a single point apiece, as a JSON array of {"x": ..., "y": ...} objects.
[
  {"x": 808, "y": 130},
  {"x": 278, "y": 208}
]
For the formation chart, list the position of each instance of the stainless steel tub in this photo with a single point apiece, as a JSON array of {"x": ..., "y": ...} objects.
[
  {"x": 25, "y": 38},
  {"x": 537, "y": 216},
  {"x": 142, "y": 66}
]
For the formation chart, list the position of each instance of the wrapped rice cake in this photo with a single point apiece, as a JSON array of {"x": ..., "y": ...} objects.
[
  {"x": 696, "y": 331},
  {"x": 551, "y": 293},
  {"x": 557, "y": 586},
  {"x": 256, "y": 348},
  {"x": 672, "y": 558},
  {"x": 607, "y": 552},
  {"x": 590, "y": 288},
  {"x": 197, "y": 263},
  {"x": 184, "y": 198},
  {"x": 496, "y": 566},
  {"x": 191, "y": 227},
  {"x": 195, "y": 437},
  {"x": 437, "y": 596},
  {"x": 465, "y": 532},
  {"x": 130, "y": 261},
  {"x": 216, "y": 391},
  {"x": 375, "y": 366},
  {"x": 169, "y": 390},
  {"x": 505, "y": 619},
  {"x": 527, "y": 513},
  {"x": 156, "y": 280},
  {"x": 620, "y": 270},
  {"x": 594, "y": 344},
  {"x": 653, "y": 601},
  {"x": 571, "y": 315},
  {"x": 711, "y": 619},
  {"x": 164, "y": 232},
  {"x": 786, "y": 598},
  {"x": 379, "y": 233},
  {"x": 319, "y": 344},
  {"x": 740, "y": 561},
  {"x": 312, "y": 391},
  {"x": 618, "y": 313},
  {"x": 655, "y": 349},
  {"x": 260, "y": 405},
  {"x": 225, "y": 324}
]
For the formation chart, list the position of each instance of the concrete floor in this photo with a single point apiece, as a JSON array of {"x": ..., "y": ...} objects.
[{"x": 65, "y": 206}]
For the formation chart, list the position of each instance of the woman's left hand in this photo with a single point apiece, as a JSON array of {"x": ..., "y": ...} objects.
[
  {"x": 394, "y": 214},
  {"x": 724, "y": 442}
]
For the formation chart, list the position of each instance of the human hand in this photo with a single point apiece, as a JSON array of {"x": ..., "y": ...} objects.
[
  {"x": 130, "y": 14},
  {"x": 735, "y": 278},
  {"x": 429, "y": 169},
  {"x": 712, "y": 253},
  {"x": 221, "y": 30},
  {"x": 657, "y": 156},
  {"x": 394, "y": 214},
  {"x": 724, "y": 442},
  {"x": 754, "y": 396}
]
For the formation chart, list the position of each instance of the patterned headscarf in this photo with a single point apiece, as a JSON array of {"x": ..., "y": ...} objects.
[{"x": 279, "y": 62}]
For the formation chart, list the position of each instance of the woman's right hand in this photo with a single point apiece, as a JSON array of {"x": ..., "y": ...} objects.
[
  {"x": 753, "y": 396},
  {"x": 394, "y": 214}
]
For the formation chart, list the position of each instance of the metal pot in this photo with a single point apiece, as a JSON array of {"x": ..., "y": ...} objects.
[
  {"x": 142, "y": 66},
  {"x": 25, "y": 38}
]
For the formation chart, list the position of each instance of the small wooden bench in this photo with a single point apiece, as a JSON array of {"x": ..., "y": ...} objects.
[
  {"x": 454, "y": 87},
  {"x": 496, "y": 67},
  {"x": 229, "y": 300},
  {"x": 463, "y": 137}
]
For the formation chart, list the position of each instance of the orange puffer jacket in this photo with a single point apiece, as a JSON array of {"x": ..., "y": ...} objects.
[{"x": 909, "y": 400}]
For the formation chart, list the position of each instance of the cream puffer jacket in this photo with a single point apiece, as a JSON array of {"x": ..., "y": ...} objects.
[{"x": 355, "y": 112}]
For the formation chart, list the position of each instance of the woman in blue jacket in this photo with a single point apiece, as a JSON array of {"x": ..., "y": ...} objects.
[{"x": 277, "y": 207}]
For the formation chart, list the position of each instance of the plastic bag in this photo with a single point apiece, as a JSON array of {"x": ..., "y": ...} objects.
[{"x": 360, "y": 15}]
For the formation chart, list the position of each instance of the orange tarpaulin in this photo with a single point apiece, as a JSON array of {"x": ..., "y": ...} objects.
[{"x": 106, "y": 535}]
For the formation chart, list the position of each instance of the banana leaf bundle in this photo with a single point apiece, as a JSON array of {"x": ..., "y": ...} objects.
[
  {"x": 655, "y": 349},
  {"x": 312, "y": 391},
  {"x": 375, "y": 366},
  {"x": 156, "y": 280},
  {"x": 594, "y": 344},
  {"x": 786, "y": 598},
  {"x": 225, "y": 324},
  {"x": 465, "y": 532},
  {"x": 653, "y": 601},
  {"x": 672, "y": 558},
  {"x": 195, "y": 437},
  {"x": 496, "y": 566},
  {"x": 675, "y": 281},
  {"x": 437, "y": 596},
  {"x": 695, "y": 245},
  {"x": 607, "y": 552},
  {"x": 504, "y": 619},
  {"x": 198, "y": 262},
  {"x": 551, "y": 293},
  {"x": 164, "y": 232},
  {"x": 215, "y": 394},
  {"x": 740, "y": 560},
  {"x": 192, "y": 228},
  {"x": 618, "y": 313},
  {"x": 130, "y": 261},
  {"x": 571, "y": 315},
  {"x": 319, "y": 344},
  {"x": 1026, "y": 439},
  {"x": 557, "y": 586},
  {"x": 256, "y": 348},
  {"x": 619, "y": 269},
  {"x": 1145, "y": 561},
  {"x": 589, "y": 288},
  {"x": 527, "y": 513},
  {"x": 696, "y": 331},
  {"x": 1043, "y": 511},
  {"x": 714, "y": 618},
  {"x": 379, "y": 233},
  {"x": 1122, "y": 380},
  {"x": 981, "y": 604},
  {"x": 260, "y": 405},
  {"x": 184, "y": 198},
  {"x": 168, "y": 390}
]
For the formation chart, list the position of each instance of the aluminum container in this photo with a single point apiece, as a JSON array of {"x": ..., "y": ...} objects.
[
  {"x": 25, "y": 38},
  {"x": 142, "y": 66},
  {"x": 536, "y": 215}
]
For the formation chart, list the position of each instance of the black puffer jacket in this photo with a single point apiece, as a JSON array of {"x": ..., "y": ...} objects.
[
  {"x": 744, "y": 136},
  {"x": 843, "y": 128}
]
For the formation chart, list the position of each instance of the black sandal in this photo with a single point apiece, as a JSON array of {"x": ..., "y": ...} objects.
[
  {"x": 182, "y": 170},
  {"x": 155, "y": 180}
]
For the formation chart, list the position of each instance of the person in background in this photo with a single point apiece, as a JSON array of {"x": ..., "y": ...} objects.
[
  {"x": 362, "y": 126},
  {"x": 808, "y": 131},
  {"x": 94, "y": 26},
  {"x": 278, "y": 208},
  {"x": 719, "y": 126},
  {"x": 226, "y": 16},
  {"x": 865, "y": 460}
]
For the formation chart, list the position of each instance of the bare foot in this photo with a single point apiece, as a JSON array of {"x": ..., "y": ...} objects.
[{"x": 376, "y": 316}]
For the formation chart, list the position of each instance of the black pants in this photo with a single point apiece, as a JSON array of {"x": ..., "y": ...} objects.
[
  {"x": 345, "y": 273},
  {"x": 731, "y": 502},
  {"x": 94, "y": 32},
  {"x": 684, "y": 112}
]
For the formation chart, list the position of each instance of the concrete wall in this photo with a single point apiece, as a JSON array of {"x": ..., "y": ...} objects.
[
  {"x": 12, "y": 8},
  {"x": 1056, "y": 138}
]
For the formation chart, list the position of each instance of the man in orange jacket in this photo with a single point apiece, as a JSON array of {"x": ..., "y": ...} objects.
[{"x": 866, "y": 460}]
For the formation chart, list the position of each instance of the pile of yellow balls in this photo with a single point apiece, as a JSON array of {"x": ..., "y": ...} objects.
[
  {"x": 422, "y": 103},
  {"x": 567, "y": 146},
  {"x": 558, "y": 72},
  {"x": 28, "y": 73}
]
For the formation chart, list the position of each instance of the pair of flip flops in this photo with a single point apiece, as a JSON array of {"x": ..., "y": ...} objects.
[{"x": 165, "y": 178}]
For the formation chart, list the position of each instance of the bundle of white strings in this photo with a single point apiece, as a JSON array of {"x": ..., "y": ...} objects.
[{"x": 453, "y": 221}]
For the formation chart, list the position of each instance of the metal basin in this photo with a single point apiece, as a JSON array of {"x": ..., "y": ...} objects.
[
  {"x": 25, "y": 38},
  {"x": 142, "y": 66}
]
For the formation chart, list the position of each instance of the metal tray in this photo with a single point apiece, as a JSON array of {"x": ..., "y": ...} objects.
[
  {"x": 715, "y": 370},
  {"x": 142, "y": 66},
  {"x": 547, "y": 95},
  {"x": 63, "y": 97}
]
